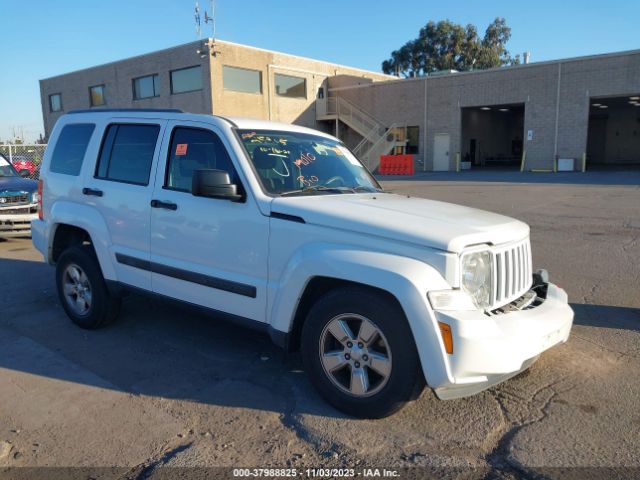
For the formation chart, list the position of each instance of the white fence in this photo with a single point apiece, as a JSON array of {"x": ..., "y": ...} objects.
[{"x": 26, "y": 158}]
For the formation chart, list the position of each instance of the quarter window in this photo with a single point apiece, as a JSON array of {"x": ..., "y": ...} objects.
[
  {"x": 55, "y": 102},
  {"x": 96, "y": 96},
  {"x": 194, "y": 149},
  {"x": 186, "y": 79},
  {"x": 242, "y": 79},
  {"x": 127, "y": 153},
  {"x": 70, "y": 148},
  {"x": 146, "y": 87},
  {"x": 288, "y": 86}
]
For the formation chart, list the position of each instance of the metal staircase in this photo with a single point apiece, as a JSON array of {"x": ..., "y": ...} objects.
[{"x": 377, "y": 139}]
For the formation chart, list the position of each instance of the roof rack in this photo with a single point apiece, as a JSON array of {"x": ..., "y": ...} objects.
[{"x": 152, "y": 110}]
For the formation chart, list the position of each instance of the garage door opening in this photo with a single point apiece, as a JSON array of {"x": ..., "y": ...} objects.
[
  {"x": 613, "y": 140},
  {"x": 492, "y": 136}
]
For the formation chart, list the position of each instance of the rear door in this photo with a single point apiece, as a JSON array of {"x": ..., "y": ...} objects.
[
  {"x": 206, "y": 251},
  {"x": 121, "y": 187}
]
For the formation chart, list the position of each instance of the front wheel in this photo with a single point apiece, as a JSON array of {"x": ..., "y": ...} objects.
[
  {"x": 360, "y": 354},
  {"x": 82, "y": 289}
]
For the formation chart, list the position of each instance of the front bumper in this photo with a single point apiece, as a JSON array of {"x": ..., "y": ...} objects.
[
  {"x": 490, "y": 349},
  {"x": 17, "y": 225}
]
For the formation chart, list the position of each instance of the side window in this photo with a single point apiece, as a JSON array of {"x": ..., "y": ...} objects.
[
  {"x": 127, "y": 153},
  {"x": 70, "y": 148},
  {"x": 194, "y": 149}
]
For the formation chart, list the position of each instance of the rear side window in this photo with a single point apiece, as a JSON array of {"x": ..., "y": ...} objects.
[
  {"x": 127, "y": 153},
  {"x": 194, "y": 149},
  {"x": 70, "y": 148}
]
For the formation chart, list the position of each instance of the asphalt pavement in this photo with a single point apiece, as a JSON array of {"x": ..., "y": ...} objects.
[{"x": 164, "y": 387}]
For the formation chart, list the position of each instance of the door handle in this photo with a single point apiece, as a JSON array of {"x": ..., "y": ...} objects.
[
  {"x": 92, "y": 191},
  {"x": 165, "y": 205}
]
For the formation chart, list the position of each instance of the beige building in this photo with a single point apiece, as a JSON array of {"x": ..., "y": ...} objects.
[
  {"x": 201, "y": 77},
  {"x": 549, "y": 115},
  {"x": 553, "y": 114}
]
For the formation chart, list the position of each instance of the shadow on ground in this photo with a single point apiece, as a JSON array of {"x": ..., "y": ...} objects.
[{"x": 157, "y": 348}]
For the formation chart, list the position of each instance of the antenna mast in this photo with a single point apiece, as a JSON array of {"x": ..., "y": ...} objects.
[{"x": 208, "y": 20}]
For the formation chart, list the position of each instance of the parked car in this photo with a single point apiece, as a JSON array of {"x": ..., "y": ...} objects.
[
  {"x": 24, "y": 166},
  {"x": 281, "y": 228},
  {"x": 18, "y": 201}
]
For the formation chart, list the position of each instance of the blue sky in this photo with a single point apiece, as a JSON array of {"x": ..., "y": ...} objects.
[{"x": 43, "y": 38}]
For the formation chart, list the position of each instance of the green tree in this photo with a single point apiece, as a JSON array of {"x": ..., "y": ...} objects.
[{"x": 449, "y": 46}]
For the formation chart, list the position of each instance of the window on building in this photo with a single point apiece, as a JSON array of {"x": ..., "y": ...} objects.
[
  {"x": 413, "y": 140},
  {"x": 55, "y": 102},
  {"x": 186, "y": 79},
  {"x": 146, "y": 87},
  {"x": 194, "y": 149},
  {"x": 127, "y": 153},
  {"x": 241, "y": 79},
  {"x": 96, "y": 95},
  {"x": 288, "y": 86},
  {"x": 70, "y": 148}
]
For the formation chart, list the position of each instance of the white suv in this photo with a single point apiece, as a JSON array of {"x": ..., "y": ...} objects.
[{"x": 280, "y": 227}]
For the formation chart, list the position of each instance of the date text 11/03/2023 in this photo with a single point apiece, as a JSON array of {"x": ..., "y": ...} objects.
[{"x": 316, "y": 473}]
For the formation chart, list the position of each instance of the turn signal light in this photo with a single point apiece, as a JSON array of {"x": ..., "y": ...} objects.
[{"x": 447, "y": 338}]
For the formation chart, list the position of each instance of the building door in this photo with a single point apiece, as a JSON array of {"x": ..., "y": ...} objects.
[{"x": 441, "y": 152}]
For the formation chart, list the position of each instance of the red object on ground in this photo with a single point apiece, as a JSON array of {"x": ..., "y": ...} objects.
[{"x": 396, "y": 165}]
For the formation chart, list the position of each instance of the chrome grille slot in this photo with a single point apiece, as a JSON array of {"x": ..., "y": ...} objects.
[{"x": 512, "y": 272}]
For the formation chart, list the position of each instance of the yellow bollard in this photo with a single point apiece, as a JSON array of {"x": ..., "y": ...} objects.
[{"x": 524, "y": 157}]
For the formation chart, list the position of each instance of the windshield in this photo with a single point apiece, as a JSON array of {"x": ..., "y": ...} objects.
[
  {"x": 6, "y": 170},
  {"x": 290, "y": 163}
]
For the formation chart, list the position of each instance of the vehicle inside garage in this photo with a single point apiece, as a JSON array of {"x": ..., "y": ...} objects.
[
  {"x": 492, "y": 136},
  {"x": 613, "y": 140}
]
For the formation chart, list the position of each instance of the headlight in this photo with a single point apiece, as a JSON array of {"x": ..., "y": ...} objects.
[
  {"x": 476, "y": 277},
  {"x": 35, "y": 197}
]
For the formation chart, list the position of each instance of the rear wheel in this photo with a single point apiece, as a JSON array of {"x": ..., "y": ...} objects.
[
  {"x": 82, "y": 289},
  {"x": 359, "y": 351}
]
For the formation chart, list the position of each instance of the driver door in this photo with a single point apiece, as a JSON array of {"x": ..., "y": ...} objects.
[{"x": 205, "y": 251}]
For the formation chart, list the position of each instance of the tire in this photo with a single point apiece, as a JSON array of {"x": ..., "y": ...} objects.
[
  {"x": 345, "y": 376},
  {"x": 82, "y": 289}
]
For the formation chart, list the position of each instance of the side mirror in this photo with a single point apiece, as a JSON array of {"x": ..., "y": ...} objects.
[
  {"x": 24, "y": 173},
  {"x": 214, "y": 184}
]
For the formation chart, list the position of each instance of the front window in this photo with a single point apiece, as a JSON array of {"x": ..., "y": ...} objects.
[
  {"x": 288, "y": 86},
  {"x": 96, "y": 95},
  {"x": 186, "y": 79},
  {"x": 146, "y": 87},
  {"x": 55, "y": 102},
  {"x": 293, "y": 163},
  {"x": 6, "y": 170}
]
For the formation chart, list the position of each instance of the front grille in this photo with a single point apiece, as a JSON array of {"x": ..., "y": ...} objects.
[
  {"x": 512, "y": 272},
  {"x": 15, "y": 211},
  {"x": 14, "y": 199}
]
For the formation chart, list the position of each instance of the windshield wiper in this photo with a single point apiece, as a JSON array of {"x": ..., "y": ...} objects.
[{"x": 318, "y": 188}]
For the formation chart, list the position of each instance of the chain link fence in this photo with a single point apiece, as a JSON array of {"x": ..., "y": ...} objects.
[{"x": 25, "y": 158}]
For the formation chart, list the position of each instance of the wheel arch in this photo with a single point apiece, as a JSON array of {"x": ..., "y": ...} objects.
[
  {"x": 74, "y": 224},
  {"x": 320, "y": 268}
]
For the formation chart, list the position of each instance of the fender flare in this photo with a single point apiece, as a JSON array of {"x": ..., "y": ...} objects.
[
  {"x": 88, "y": 219},
  {"x": 407, "y": 279}
]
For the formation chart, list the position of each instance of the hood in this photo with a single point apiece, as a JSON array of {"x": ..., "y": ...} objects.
[
  {"x": 17, "y": 184},
  {"x": 440, "y": 225}
]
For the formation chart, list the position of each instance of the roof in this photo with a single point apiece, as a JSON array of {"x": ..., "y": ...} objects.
[{"x": 148, "y": 113}]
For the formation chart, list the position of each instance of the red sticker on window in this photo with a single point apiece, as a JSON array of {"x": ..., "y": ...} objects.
[{"x": 181, "y": 149}]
